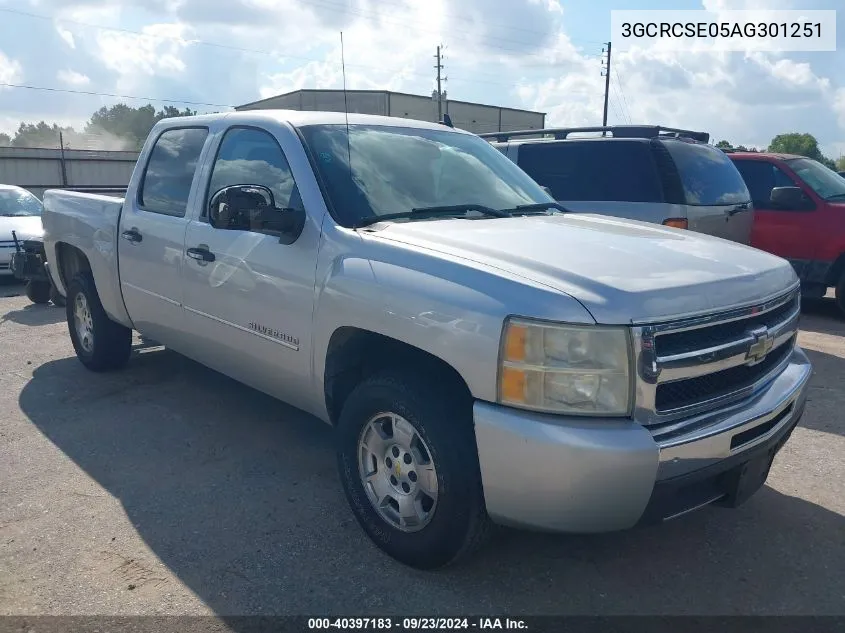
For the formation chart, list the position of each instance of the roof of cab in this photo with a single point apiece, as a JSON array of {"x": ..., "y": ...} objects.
[{"x": 299, "y": 118}]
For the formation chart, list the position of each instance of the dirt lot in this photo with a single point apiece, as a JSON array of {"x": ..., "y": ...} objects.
[{"x": 170, "y": 489}]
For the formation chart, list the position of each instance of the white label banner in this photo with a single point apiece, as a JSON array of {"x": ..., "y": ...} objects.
[{"x": 745, "y": 31}]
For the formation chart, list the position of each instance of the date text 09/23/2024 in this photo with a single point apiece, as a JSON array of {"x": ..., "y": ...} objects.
[{"x": 416, "y": 623}]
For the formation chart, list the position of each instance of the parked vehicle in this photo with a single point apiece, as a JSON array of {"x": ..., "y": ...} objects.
[
  {"x": 799, "y": 215},
  {"x": 650, "y": 173},
  {"x": 482, "y": 354},
  {"x": 20, "y": 232}
]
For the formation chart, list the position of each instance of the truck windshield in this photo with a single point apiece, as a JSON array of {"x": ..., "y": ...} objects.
[
  {"x": 18, "y": 202},
  {"x": 396, "y": 169},
  {"x": 825, "y": 182}
]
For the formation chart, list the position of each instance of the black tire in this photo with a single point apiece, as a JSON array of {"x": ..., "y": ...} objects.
[
  {"x": 38, "y": 291},
  {"x": 112, "y": 342},
  {"x": 840, "y": 294},
  {"x": 56, "y": 298},
  {"x": 460, "y": 523}
]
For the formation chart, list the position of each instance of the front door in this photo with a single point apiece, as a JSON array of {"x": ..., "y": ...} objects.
[
  {"x": 152, "y": 232},
  {"x": 248, "y": 303},
  {"x": 786, "y": 233}
]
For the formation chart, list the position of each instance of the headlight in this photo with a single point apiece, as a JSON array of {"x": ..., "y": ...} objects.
[{"x": 580, "y": 370}]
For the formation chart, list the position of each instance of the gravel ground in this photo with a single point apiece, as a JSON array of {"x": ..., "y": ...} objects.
[{"x": 170, "y": 489}]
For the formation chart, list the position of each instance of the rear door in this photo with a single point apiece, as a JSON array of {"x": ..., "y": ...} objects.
[
  {"x": 616, "y": 177},
  {"x": 717, "y": 202},
  {"x": 152, "y": 233}
]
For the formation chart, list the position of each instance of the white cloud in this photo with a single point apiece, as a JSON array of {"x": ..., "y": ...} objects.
[
  {"x": 157, "y": 51},
  {"x": 509, "y": 52},
  {"x": 73, "y": 78},
  {"x": 66, "y": 35},
  {"x": 10, "y": 70},
  {"x": 839, "y": 107}
]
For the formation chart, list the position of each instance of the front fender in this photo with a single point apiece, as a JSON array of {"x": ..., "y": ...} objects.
[{"x": 451, "y": 308}]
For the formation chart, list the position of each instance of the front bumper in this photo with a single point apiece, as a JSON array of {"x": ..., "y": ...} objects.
[{"x": 568, "y": 474}]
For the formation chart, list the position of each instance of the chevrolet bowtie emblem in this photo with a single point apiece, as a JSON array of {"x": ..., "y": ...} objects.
[{"x": 760, "y": 348}]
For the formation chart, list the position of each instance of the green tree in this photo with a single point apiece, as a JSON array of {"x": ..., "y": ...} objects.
[
  {"x": 132, "y": 124},
  {"x": 5, "y": 139},
  {"x": 724, "y": 145},
  {"x": 39, "y": 135},
  {"x": 840, "y": 164}
]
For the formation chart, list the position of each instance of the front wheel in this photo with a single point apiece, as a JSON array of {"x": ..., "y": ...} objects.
[
  {"x": 100, "y": 343},
  {"x": 409, "y": 467}
]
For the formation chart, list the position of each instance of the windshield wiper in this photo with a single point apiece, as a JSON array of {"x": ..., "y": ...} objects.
[
  {"x": 537, "y": 206},
  {"x": 836, "y": 195},
  {"x": 445, "y": 210}
]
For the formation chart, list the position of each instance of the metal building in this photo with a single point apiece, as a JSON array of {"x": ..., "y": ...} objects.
[
  {"x": 38, "y": 169},
  {"x": 473, "y": 117}
]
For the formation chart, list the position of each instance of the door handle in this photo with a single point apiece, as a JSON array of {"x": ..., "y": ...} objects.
[
  {"x": 738, "y": 209},
  {"x": 200, "y": 254},
  {"x": 132, "y": 235}
]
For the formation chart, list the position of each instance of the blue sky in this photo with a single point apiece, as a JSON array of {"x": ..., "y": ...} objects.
[{"x": 536, "y": 54}]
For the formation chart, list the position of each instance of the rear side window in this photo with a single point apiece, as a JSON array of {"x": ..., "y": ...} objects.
[
  {"x": 612, "y": 170},
  {"x": 170, "y": 171},
  {"x": 708, "y": 176},
  {"x": 761, "y": 177}
]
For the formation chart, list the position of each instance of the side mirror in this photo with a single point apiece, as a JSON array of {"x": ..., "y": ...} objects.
[
  {"x": 791, "y": 199},
  {"x": 253, "y": 208}
]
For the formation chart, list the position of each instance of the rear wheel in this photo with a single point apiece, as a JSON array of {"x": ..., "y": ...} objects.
[
  {"x": 38, "y": 291},
  {"x": 100, "y": 343},
  {"x": 409, "y": 467}
]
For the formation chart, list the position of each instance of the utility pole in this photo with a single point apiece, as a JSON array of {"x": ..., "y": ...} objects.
[
  {"x": 605, "y": 67},
  {"x": 62, "y": 158},
  {"x": 439, "y": 67}
]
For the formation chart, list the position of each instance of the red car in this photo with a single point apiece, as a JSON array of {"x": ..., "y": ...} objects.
[{"x": 799, "y": 214}]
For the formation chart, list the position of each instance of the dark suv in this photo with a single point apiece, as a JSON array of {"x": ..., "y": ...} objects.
[{"x": 650, "y": 173}]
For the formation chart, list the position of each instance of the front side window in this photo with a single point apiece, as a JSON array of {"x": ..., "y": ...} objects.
[
  {"x": 825, "y": 182},
  {"x": 18, "y": 203},
  {"x": 708, "y": 176},
  {"x": 170, "y": 171},
  {"x": 761, "y": 177},
  {"x": 253, "y": 157},
  {"x": 377, "y": 170}
]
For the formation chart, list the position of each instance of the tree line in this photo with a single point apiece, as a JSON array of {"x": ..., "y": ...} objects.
[
  {"x": 124, "y": 127},
  {"x": 119, "y": 127},
  {"x": 792, "y": 143}
]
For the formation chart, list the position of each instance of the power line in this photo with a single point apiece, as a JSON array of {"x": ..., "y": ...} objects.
[
  {"x": 622, "y": 92},
  {"x": 108, "y": 94}
]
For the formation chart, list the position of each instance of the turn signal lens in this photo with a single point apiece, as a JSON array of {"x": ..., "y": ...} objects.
[
  {"x": 558, "y": 368},
  {"x": 678, "y": 223}
]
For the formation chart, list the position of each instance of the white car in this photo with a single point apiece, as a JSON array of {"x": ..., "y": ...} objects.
[{"x": 20, "y": 211}]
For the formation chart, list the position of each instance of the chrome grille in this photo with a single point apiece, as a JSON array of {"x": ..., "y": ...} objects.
[{"x": 688, "y": 367}]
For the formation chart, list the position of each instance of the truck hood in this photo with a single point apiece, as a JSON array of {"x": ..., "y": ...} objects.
[
  {"x": 25, "y": 227},
  {"x": 622, "y": 271}
]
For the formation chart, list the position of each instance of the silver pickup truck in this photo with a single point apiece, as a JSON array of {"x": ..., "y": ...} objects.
[{"x": 484, "y": 356}]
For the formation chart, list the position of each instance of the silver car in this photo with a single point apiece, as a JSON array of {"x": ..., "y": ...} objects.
[{"x": 650, "y": 173}]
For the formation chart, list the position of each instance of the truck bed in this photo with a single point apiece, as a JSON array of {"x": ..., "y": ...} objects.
[{"x": 88, "y": 222}]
